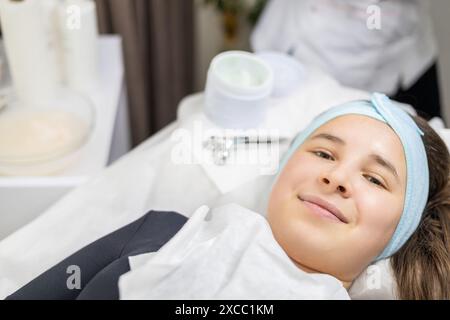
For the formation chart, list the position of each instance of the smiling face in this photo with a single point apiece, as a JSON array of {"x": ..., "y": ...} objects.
[{"x": 338, "y": 200}]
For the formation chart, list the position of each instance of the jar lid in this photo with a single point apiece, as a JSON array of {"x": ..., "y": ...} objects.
[{"x": 288, "y": 72}]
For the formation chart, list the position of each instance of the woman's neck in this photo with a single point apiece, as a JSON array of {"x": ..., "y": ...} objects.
[{"x": 306, "y": 269}]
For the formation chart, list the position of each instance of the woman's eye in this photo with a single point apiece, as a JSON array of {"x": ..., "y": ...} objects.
[
  {"x": 375, "y": 181},
  {"x": 324, "y": 155}
]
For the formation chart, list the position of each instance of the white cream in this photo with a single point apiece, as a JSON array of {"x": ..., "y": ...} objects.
[{"x": 39, "y": 135}]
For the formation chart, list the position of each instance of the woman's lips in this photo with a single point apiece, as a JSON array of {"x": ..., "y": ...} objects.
[{"x": 323, "y": 208}]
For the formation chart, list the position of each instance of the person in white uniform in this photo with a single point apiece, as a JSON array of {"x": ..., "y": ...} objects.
[{"x": 374, "y": 45}]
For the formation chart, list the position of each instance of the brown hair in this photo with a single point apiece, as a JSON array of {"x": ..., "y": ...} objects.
[{"x": 422, "y": 266}]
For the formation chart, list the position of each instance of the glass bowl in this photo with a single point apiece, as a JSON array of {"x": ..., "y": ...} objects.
[{"x": 45, "y": 138}]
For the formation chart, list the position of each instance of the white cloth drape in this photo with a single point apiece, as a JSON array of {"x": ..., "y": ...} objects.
[{"x": 224, "y": 253}]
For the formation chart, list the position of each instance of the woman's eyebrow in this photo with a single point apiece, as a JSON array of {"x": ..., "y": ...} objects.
[
  {"x": 328, "y": 136},
  {"x": 383, "y": 162},
  {"x": 375, "y": 157}
]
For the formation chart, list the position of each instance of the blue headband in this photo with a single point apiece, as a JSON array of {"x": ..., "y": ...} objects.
[{"x": 417, "y": 175}]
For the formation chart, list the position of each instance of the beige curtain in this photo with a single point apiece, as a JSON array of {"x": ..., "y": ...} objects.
[{"x": 158, "y": 52}]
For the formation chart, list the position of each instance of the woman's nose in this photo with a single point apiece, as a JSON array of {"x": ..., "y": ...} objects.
[{"x": 336, "y": 182}]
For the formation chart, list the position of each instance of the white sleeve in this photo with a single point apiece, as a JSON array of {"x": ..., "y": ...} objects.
[{"x": 271, "y": 31}]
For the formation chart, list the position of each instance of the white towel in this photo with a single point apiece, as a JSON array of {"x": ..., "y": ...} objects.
[{"x": 229, "y": 254}]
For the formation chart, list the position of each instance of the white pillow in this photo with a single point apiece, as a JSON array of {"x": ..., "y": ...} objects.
[
  {"x": 375, "y": 283},
  {"x": 445, "y": 135}
]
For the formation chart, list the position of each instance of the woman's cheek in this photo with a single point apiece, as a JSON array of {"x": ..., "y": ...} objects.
[
  {"x": 378, "y": 216},
  {"x": 307, "y": 171}
]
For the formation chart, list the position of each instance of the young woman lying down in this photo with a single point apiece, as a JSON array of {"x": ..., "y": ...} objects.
[{"x": 364, "y": 181}]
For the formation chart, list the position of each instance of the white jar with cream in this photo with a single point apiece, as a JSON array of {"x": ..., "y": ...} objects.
[{"x": 238, "y": 86}]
